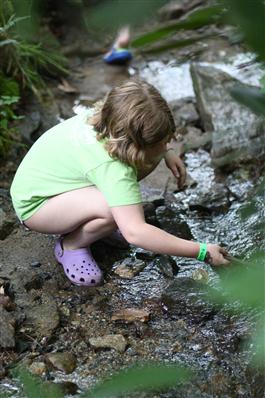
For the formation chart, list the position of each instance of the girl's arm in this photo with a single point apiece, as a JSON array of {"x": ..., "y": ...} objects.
[{"x": 131, "y": 222}]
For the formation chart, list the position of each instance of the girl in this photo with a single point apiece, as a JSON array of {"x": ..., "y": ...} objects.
[{"x": 80, "y": 180}]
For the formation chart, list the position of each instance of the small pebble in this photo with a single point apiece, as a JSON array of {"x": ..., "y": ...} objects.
[{"x": 35, "y": 264}]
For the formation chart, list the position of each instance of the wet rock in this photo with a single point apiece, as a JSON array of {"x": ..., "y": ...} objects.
[
  {"x": 116, "y": 341},
  {"x": 171, "y": 222},
  {"x": 211, "y": 201},
  {"x": 237, "y": 133},
  {"x": 68, "y": 387},
  {"x": 189, "y": 298},
  {"x": 63, "y": 361},
  {"x": 195, "y": 138},
  {"x": 129, "y": 268},
  {"x": 131, "y": 315},
  {"x": 38, "y": 368},
  {"x": 184, "y": 112},
  {"x": 200, "y": 275},
  {"x": 142, "y": 254},
  {"x": 7, "y": 329},
  {"x": 167, "y": 266}
]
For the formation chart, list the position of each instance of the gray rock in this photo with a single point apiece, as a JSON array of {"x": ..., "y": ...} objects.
[
  {"x": 195, "y": 138},
  {"x": 238, "y": 134},
  {"x": 215, "y": 199},
  {"x": 7, "y": 330},
  {"x": 64, "y": 361},
  {"x": 129, "y": 267},
  {"x": 184, "y": 112},
  {"x": 171, "y": 222},
  {"x": 29, "y": 125},
  {"x": 167, "y": 266},
  {"x": 116, "y": 341}
]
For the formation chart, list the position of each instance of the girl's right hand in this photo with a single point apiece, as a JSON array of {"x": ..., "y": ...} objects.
[{"x": 216, "y": 255}]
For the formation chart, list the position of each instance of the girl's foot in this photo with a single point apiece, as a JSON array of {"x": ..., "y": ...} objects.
[{"x": 79, "y": 265}]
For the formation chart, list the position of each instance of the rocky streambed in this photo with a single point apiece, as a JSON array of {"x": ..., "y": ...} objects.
[{"x": 150, "y": 307}]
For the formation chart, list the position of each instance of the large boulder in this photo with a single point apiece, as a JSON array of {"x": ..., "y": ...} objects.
[{"x": 237, "y": 133}]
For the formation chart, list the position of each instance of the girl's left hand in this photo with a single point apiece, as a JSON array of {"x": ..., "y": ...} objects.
[{"x": 177, "y": 167}]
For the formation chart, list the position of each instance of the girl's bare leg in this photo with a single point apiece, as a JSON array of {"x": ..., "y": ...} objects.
[{"x": 82, "y": 214}]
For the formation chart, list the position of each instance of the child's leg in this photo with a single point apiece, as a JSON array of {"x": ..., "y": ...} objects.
[{"x": 82, "y": 214}]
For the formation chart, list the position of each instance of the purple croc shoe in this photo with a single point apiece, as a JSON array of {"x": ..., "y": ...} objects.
[{"x": 79, "y": 265}]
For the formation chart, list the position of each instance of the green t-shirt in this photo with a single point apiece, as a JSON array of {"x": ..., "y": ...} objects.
[{"x": 67, "y": 157}]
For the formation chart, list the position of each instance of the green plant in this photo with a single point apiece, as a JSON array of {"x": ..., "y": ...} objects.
[
  {"x": 21, "y": 59},
  {"x": 9, "y": 98}
]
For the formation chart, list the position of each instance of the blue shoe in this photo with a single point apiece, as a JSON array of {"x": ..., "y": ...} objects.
[{"x": 119, "y": 56}]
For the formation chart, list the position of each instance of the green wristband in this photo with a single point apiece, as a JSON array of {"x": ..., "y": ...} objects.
[{"x": 203, "y": 251}]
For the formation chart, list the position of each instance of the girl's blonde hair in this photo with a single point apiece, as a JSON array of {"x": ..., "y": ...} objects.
[{"x": 133, "y": 117}]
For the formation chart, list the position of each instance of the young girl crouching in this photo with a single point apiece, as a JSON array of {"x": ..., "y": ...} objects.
[{"x": 80, "y": 180}]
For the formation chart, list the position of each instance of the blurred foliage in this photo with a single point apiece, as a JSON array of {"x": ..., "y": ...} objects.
[
  {"x": 21, "y": 59},
  {"x": 242, "y": 287},
  {"x": 23, "y": 62},
  {"x": 9, "y": 97},
  {"x": 195, "y": 20},
  {"x": 142, "y": 377},
  {"x": 107, "y": 15},
  {"x": 249, "y": 17},
  {"x": 145, "y": 377},
  {"x": 251, "y": 97}
]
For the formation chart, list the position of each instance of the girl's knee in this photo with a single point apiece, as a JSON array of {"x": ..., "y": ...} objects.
[{"x": 105, "y": 222}]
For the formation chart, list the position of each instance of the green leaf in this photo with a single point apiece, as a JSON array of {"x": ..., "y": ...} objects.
[
  {"x": 251, "y": 97},
  {"x": 175, "y": 44},
  {"x": 7, "y": 100},
  {"x": 140, "y": 378},
  {"x": 244, "y": 282},
  {"x": 195, "y": 20},
  {"x": 8, "y": 87},
  {"x": 7, "y": 42},
  {"x": 249, "y": 16},
  {"x": 3, "y": 125}
]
